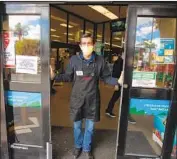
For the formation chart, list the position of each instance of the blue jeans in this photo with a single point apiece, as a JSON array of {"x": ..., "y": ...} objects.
[{"x": 81, "y": 140}]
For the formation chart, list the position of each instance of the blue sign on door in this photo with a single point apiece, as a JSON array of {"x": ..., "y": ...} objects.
[
  {"x": 149, "y": 106},
  {"x": 166, "y": 44},
  {"x": 23, "y": 99}
]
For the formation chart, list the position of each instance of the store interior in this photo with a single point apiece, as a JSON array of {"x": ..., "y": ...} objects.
[{"x": 88, "y": 19}]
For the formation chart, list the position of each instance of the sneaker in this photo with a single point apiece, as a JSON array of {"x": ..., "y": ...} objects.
[
  {"x": 53, "y": 91},
  {"x": 88, "y": 155},
  {"x": 77, "y": 152},
  {"x": 112, "y": 115},
  {"x": 131, "y": 120}
]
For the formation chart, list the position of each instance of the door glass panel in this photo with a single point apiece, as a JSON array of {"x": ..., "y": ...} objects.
[
  {"x": 154, "y": 68},
  {"x": 76, "y": 31},
  {"x": 89, "y": 28},
  {"x": 23, "y": 110},
  {"x": 154, "y": 52},
  {"x": 21, "y": 35},
  {"x": 59, "y": 25},
  {"x": 99, "y": 32}
]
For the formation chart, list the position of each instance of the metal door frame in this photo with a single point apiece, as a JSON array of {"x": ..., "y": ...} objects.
[
  {"x": 145, "y": 11},
  {"x": 4, "y": 143},
  {"x": 42, "y": 9}
]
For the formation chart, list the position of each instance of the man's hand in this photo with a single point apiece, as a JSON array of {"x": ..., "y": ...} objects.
[
  {"x": 52, "y": 74},
  {"x": 120, "y": 80},
  {"x": 116, "y": 87}
]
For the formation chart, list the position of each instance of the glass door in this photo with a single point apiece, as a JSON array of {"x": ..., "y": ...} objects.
[
  {"x": 26, "y": 47},
  {"x": 147, "y": 122}
]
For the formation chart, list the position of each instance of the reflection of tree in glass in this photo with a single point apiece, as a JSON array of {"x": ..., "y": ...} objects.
[
  {"x": 20, "y": 31},
  {"x": 28, "y": 47},
  {"x": 149, "y": 44}
]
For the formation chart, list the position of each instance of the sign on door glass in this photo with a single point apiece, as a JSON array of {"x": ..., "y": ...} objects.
[
  {"x": 154, "y": 57},
  {"x": 21, "y": 36}
]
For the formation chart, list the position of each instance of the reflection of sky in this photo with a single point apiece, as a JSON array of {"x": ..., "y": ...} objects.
[
  {"x": 144, "y": 31},
  {"x": 33, "y": 22}
]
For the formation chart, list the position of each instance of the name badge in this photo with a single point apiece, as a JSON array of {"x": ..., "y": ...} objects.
[{"x": 79, "y": 73}]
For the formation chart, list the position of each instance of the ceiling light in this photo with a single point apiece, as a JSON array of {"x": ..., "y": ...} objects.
[
  {"x": 99, "y": 36},
  {"x": 65, "y": 25},
  {"x": 85, "y": 31},
  {"x": 53, "y": 29},
  {"x": 58, "y": 18},
  {"x": 63, "y": 20},
  {"x": 104, "y": 11},
  {"x": 116, "y": 45},
  {"x": 117, "y": 38},
  {"x": 69, "y": 34},
  {"x": 56, "y": 40},
  {"x": 90, "y": 30},
  {"x": 107, "y": 43},
  {"x": 113, "y": 45},
  {"x": 55, "y": 36}
]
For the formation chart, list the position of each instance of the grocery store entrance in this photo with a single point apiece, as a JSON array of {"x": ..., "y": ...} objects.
[
  {"x": 148, "y": 83},
  {"x": 35, "y": 119}
]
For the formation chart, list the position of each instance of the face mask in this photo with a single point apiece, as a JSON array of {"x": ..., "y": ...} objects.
[{"x": 87, "y": 49}]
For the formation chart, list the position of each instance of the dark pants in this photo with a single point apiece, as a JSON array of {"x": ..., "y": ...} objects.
[
  {"x": 52, "y": 90},
  {"x": 51, "y": 84},
  {"x": 113, "y": 100}
]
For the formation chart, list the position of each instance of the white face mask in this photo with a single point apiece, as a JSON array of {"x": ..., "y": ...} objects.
[{"x": 87, "y": 50}]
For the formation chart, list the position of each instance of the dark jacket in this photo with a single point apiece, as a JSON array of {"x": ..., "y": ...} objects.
[
  {"x": 117, "y": 68},
  {"x": 85, "y": 96}
]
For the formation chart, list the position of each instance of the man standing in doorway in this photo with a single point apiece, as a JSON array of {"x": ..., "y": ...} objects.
[
  {"x": 116, "y": 73},
  {"x": 85, "y": 70}
]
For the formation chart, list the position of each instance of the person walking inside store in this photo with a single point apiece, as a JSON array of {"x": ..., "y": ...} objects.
[
  {"x": 117, "y": 73},
  {"x": 85, "y": 70}
]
